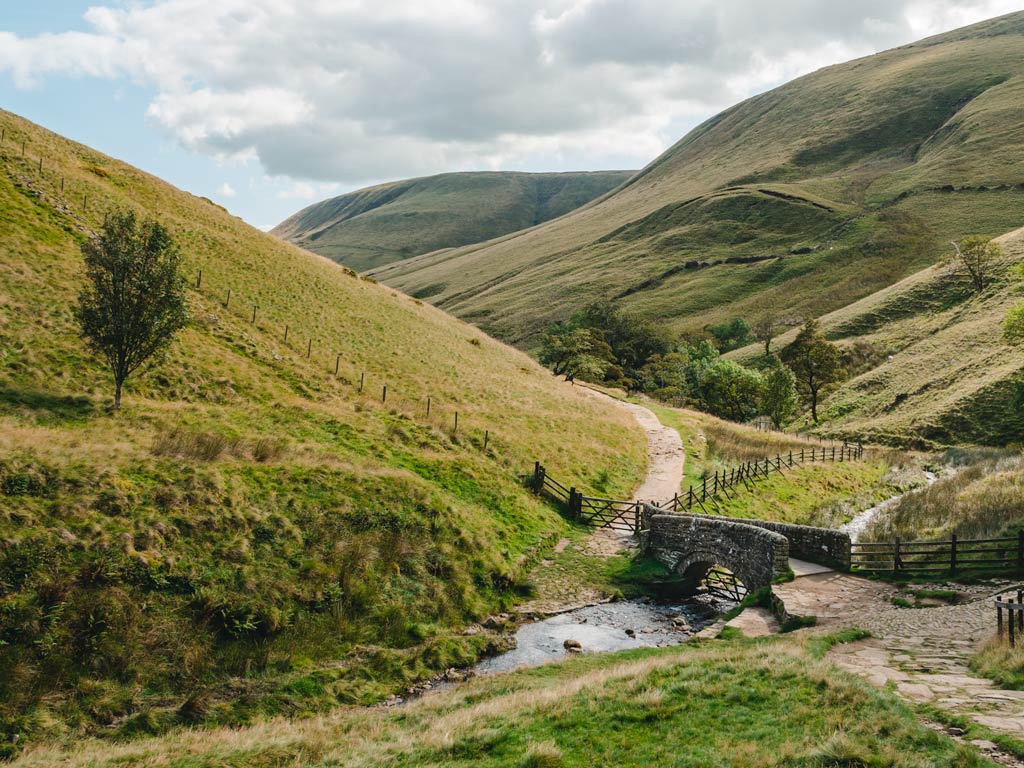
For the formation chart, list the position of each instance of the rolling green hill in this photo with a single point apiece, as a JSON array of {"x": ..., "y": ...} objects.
[
  {"x": 803, "y": 200},
  {"x": 254, "y": 516},
  {"x": 390, "y": 222}
]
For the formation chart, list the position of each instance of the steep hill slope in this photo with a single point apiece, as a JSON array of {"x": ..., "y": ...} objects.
[
  {"x": 934, "y": 368},
  {"x": 390, "y": 222},
  {"x": 255, "y": 515},
  {"x": 803, "y": 199}
]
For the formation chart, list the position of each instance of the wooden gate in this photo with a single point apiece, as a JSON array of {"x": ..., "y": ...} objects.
[{"x": 605, "y": 513}]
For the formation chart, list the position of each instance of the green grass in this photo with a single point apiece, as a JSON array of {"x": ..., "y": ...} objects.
[
  {"x": 1000, "y": 663},
  {"x": 252, "y": 531},
  {"x": 745, "y": 703},
  {"x": 390, "y": 222}
]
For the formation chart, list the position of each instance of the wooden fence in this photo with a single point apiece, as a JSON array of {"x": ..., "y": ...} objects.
[
  {"x": 1014, "y": 616},
  {"x": 591, "y": 510},
  {"x": 952, "y": 556},
  {"x": 724, "y": 481},
  {"x": 625, "y": 515}
]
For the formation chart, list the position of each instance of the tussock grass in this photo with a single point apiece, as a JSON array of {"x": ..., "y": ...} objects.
[
  {"x": 750, "y": 703},
  {"x": 979, "y": 497},
  {"x": 1001, "y": 663}
]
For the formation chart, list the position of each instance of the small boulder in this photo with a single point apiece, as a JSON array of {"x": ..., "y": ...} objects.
[
  {"x": 573, "y": 646},
  {"x": 631, "y": 633}
]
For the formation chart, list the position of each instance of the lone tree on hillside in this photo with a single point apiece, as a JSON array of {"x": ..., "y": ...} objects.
[
  {"x": 133, "y": 302},
  {"x": 976, "y": 256},
  {"x": 815, "y": 361},
  {"x": 764, "y": 332}
]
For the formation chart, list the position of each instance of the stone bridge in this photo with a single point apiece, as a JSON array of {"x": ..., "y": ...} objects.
[{"x": 756, "y": 551}]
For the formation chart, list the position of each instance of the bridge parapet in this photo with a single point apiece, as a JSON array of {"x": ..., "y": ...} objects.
[
  {"x": 690, "y": 545},
  {"x": 823, "y": 546}
]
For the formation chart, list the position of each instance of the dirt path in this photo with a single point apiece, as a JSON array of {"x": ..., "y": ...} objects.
[
  {"x": 923, "y": 653},
  {"x": 560, "y": 587},
  {"x": 665, "y": 453}
]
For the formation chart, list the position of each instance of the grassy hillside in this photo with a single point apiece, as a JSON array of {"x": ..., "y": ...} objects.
[
  {"x": 378, "y": 225},
  {"x": 935, "y": 369},
  {"x": 803, "y": 199},
  {"x": 252, "y": 533},
  {"x": 738, "y": 703}
]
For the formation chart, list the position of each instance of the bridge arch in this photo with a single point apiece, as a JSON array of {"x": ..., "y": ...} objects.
[{"x": 690, "y": 545}]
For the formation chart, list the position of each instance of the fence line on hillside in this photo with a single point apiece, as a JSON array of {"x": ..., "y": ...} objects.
[
  {"x": 625, "y": 515},
  {"x": 428, "y": 406}
]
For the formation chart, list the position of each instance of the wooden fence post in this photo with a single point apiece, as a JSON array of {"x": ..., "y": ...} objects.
[
  {"x": 704, "y": 489},
  {"x": 952, "y": 555},
  {"x": 428, "y": 405},
  {"x": 362, "y": 379},
  {"x": 253, "y": 314},
  {"x": 199, "y": 279},
  {"x": 456, "y": 422},
  {"x": 538, "y": 477},
  {"x": 309, "y": 349},
  {"x": 62, "y": 185},
  {"x": 636, "y": 517},
  {"x": 227, "y": 299},
  {"x": 896, "y": 555},
  {"x": 487, "y": 435},
  {"x": 1020, "y": 614},
  {"x": 286, "y": 334},
  {"x": 572, "y": 502},
  {"x": 999, "y": 618},
  {"x": 384, "y": 394},
  {"x": 1011, "y": 621},
  {"x": 337, "y": 364}
]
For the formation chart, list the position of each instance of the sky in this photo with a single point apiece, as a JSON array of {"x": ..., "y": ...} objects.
[{"x": 266, "y": 106}]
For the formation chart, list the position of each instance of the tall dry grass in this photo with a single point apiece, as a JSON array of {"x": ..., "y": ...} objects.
[{"x": 979, "y": 494}]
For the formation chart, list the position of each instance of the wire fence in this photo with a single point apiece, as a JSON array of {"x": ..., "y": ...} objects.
[{"x": 35, "y": 173}]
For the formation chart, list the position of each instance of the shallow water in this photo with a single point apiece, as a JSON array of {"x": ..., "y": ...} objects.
[
  {"x": 856, "y": 527},
  {"x": 602, "y": 628}
]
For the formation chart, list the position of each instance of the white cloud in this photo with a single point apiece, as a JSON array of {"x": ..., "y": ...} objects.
[
  {"x": 358, "y": 90},
  {"x": 226, "y": 190}
]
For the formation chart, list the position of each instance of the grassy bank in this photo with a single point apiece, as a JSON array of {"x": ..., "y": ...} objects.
[
  {"x": 825, "y": 494},
  {"x": 255, "y": 533},
  {"x": 737, "y": 703}
]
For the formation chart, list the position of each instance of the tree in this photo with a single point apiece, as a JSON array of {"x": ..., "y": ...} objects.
[
  {"x": 976, "y": 256},
  {"x": 731, "y": 334},
  {"x": 574, "y": 351},
  {"x": 133, "y": 302},
  {"x": 764, "y": 332},
  {"x": 778, "y": 393},
  {"x": 815, "y": 361},
  {"x": 730, "y": 390}
]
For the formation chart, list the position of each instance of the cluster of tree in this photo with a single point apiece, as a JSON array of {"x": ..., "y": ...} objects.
[{"x": 602, "y": 343}]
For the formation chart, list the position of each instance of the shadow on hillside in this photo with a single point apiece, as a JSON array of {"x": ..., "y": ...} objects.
[{"x": 46, "y": 406}]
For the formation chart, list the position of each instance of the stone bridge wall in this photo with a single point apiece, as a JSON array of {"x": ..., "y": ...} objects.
[
  {"x": 690, "y": 544},
  {"x": 823, "y": 546}
]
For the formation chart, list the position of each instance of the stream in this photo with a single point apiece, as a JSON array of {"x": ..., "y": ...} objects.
[
  {"x": 856, "y": 527},
  {"x": 641, "y": 623}
]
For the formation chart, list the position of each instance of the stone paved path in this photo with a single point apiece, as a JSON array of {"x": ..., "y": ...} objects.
[{"x": 923, "y": 652}]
